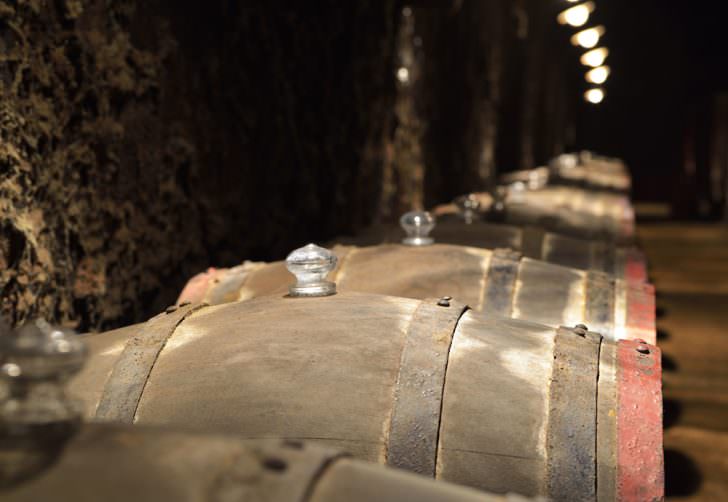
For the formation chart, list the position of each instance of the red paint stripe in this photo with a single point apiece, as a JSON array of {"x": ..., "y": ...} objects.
[
  {"x": 196, "y": 288},
  {"x": 635, "y": 267},
  {"x": 641, "y": 318},
  {"x": 640, "y": 466}
]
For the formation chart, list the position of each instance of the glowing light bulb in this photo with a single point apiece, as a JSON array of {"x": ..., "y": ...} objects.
[
  {"x": 595, "y": 57},
  {"x": 598, "y": 75},
  {"x": 577, "y": 15},
  {"x": 403, "y": 75},
  {"x": 594, "y": 96},
  {"x": 588, "y": 38}
]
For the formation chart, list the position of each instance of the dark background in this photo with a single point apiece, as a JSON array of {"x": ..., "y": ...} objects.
[
  {"x": 143, "y": 141},
  {"x": 668, "y": 63}
]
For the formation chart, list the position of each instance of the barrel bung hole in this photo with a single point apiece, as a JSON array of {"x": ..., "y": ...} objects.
[{"x": 275, "y": 464}]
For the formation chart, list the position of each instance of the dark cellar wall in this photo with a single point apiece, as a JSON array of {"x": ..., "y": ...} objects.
[{"x": 142, "y": 141}]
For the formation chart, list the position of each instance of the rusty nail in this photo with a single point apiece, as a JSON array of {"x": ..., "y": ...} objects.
[
  {"x": 444, "y": 301},
  {"x": 580, "y": 330},
  {"x": 170, "y": 309},
  {"x": 275, "y": 464}
]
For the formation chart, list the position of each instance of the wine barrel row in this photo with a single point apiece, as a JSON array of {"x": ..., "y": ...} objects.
[
  {"x": 563, "y": 209},
  {"x": 584, "y": 170},
  {"x": 514, "y": 356},
  {"x": 499, "y": 282},
  {"x": 623, "y": 262}
]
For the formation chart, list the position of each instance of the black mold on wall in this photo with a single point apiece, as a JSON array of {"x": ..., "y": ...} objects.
[{"x": 142, "y": 141}]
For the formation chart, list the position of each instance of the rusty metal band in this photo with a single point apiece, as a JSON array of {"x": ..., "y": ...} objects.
[
  {"x": 571, "y": 435},
  {"x": 640, "y": 465},
  {"x": 601, "y": 256},
  {"x": 532, "y": 242},
  {"x": 126, "y": 383},
  {"x": 607, "y": 423},
  {"x": 600, "y": 300},
  {"x": 415, "y": 422},
  {"x": 500, "y": 282}
]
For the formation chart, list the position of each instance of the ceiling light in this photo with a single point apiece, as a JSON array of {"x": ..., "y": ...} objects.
[
  {"x": 588, "y": 38},
  {"x": 577, "y": 15},
  {"x": 594, "y": 96},
  {"x": 598, "y": 75},
  {"x": 595, "y": 57}
]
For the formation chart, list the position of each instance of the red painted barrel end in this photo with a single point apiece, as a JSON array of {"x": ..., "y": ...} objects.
[
  {"x": 641, "y": 323},
  {"x": 197, "y": 287},
  {"x": 635, "y": 266},
  {"x": 640, "y": 463}
]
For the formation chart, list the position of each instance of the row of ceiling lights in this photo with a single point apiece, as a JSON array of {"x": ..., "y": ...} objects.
[{"x": 577, "y": 16}]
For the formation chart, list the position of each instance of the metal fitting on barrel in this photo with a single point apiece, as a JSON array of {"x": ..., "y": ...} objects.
[
  {"x": 417, "y": 225},
  {"x": 468, "y": 206},
  {"x": 36, "y": 415},
  {"x": 311, "y": 264}
]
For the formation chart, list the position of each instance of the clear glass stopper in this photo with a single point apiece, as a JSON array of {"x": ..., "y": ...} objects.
[
  {"x": 564, "y": 161},
  {"x": 468, "y": 205},
  {"x": 311, "y": 264},
  {"x": 37, "y": 361},
  {"x": 500, "y": 196},
  {"x": 417, "y": 225}
]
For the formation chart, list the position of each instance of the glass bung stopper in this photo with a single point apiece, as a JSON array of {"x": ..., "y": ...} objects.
[
  {"x": 417, "y": 225},
  {"x": 311, "y": 264},
  {"x": 468, "y": 206},
  {"x": 37, "y": 361}
]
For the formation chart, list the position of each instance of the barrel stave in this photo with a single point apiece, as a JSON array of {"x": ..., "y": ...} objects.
[
  {"x": 495, "y": 405},
  {"x": 396, "y": 270}
]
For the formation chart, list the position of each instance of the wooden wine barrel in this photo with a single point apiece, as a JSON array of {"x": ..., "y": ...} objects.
[
  {"x": 499, "y": 282},
  {"x": 594, "y": 176},
  {"x": 590, "y": 170},
  {"x": 497, "y": 404},
  {"x": 574, "y": 211},
  {"x": 623, "y": 262},
  {"x": 568, "y": 210},
  {"x": 141, "y": 464}
]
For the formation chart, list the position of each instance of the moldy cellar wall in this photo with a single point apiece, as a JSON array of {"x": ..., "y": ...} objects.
[{"x": 143, "y": 141}]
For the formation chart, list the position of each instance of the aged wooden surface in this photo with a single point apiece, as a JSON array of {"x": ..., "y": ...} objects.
[{"x": 327, "y": 369}]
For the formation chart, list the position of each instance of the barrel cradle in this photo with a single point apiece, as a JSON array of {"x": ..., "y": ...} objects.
[
  {"x": 47, "y": 453},
  {"x": 497, "y": 404},
  {"x": 499, "y": 282}
]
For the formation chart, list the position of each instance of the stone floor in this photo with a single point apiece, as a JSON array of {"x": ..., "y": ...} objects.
[{"x": 689, "y": 266}]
